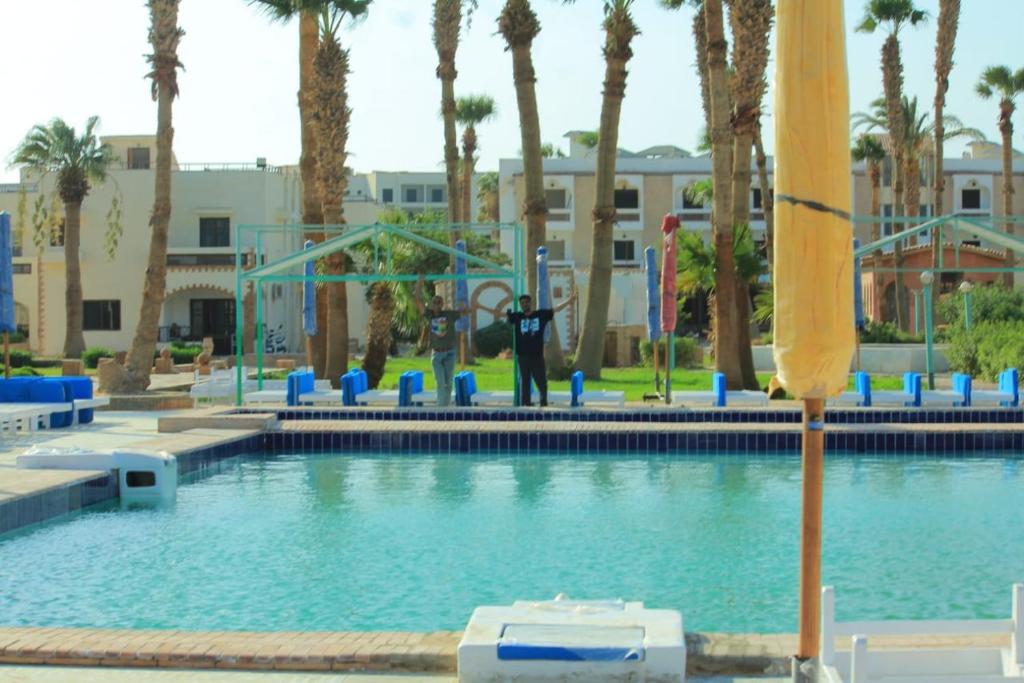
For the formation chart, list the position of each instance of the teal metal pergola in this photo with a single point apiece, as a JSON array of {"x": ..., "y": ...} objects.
[{"x": 289, "y": 268}]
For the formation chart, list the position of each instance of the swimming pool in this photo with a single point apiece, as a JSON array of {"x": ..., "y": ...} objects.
[{"x": 319, "y": 541}]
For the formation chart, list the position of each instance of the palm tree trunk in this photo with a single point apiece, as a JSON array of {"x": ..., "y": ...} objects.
[
  {"x": 332, "y": 119},
  {"x": 875, "y": 171},
  {"x": 378, "y": 332},
  {"x": 619, "y": 32},
  {"x": 945, "y": 43},
  {"x": 312, "y": 213},
  {"x": 74, "y": 340},
  {"x": 519, "y": 26},
  {"x": 447, "y": 20},
  {"x": 468, "y": 162},
  {"x": 727, "y": 357},
  {"x": 1006, "y": 129},
  {"x": 164, "y": 35},
  {"x": 912, "y": 197},
  {"x": 902, "y": 305}
]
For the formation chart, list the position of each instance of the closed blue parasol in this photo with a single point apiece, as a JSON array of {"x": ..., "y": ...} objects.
[
  {"x": 461, "y": 286},
  {"x": 858, "y": 297},
  {"x": 309, "y": 297},
  {"x": 543, "y": 286},
  {"x": 7, "y": 321},
  {"x": 653, "y": 295}
]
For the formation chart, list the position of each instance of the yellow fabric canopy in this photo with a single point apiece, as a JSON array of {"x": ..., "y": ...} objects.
[{"x": 813, "y": 317}]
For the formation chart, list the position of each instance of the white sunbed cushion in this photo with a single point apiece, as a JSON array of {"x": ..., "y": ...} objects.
[{"x": 603, "y": 396}]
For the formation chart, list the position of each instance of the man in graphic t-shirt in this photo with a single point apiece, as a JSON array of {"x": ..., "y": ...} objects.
[
  {"x": 442, "y": 342},
  {"x": 528, "y": 326}
]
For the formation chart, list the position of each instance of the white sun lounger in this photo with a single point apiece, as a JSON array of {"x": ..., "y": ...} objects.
[
  {"x": 978, "y": 664},
  {"x": 31, "y": 416}
]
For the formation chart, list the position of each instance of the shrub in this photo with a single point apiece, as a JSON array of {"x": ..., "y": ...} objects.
[
  {"x": 24, "y": 372},
  {"x": 182, "y": 353},
  {"x": 875, "y": 332},
  {"x": 989, "y": 303},
  {"x": 987, "y": 349},
  {"x": 19, "y": 358},
  {"x": 91, "y": 356},
  {"x": 686, "y": 349},
  {"x": 493, "y": 339}
]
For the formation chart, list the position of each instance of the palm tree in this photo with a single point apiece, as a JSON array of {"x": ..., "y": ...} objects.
[
  {"x": 471, "y": 111},
  {"x": 312, "y": 211},
  {"x": 518, "y": 25},
  {"x": 77, "y": 161},
  {"x": 945, "y": 42},
  {"x": 895, "y": 14},
  {"x": 447, "y": 22},
  {"x": 550, "y": 151},
  {"x": 751, "y": 23},
  {"x": 619, "y": 33},
  {"x": 869, "y": 150},
  {"x": 164, "y": 35},
  {"x": 487, "y": 197},
  {"x": 999, "y": 79}
]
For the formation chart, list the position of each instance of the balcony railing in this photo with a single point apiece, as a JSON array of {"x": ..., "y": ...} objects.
[
  {"x": 200, "y": 259},
  {"x": 219, "y": 166}
]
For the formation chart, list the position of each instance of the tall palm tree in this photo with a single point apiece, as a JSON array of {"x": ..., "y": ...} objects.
[
  {"x": 999, "y": 79},
  {"x": 945, "y": 42},
  {"x": 519, "y": 26},
  {"x": 471, "y": 111},
  {"x": 619, "y": 33},
  {"x": 164, "y": 35},
  {"x": 869, "y": 150},
  {"x": 751, "y": 24},
  {"x": 894, "y": 15},
  {"x": 447, "y": 23},
  {"x": 78, "y": 162}
]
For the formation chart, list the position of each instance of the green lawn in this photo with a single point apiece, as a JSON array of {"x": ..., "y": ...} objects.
[{"x": 495, "y": 374}]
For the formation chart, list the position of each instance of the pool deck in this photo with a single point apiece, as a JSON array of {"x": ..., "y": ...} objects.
[{"x": 50, "y": 651}]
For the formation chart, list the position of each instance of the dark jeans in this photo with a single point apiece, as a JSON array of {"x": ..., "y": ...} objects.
[{"x": 532, "y": 367}]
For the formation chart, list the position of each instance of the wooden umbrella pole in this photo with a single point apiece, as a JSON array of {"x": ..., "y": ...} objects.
[
  {"x": 462, "y": 350},
  {"x": 7, "y": 355},
  {"x": 813, "y": 448}
]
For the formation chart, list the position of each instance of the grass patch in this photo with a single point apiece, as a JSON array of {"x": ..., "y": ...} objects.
[{"x": 494, "y": 374}]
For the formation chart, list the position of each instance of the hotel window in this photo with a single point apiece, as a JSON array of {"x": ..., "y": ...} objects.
[
  {"x": 437, "y": 195},
  {"x": 886, "y": 225},
  {"x": 412, "y": 194},
  {"x": 556, "y": 250},
  {"x": 756, "y": 201},
  {"x": 627, "y": 199},
  {"x": 101, "y": 315},
  {"x": 624, "y": 250},
  {"x": 689, "y": 203},
  {"x": 555, "y": 199},
  {"x": 887, "y": 172},
  {"x": 215, "y": 232},
  {"x": 138, "y": 158},
  {"x": 970, "y": 199},
  {"x": 387, "y": 195}
]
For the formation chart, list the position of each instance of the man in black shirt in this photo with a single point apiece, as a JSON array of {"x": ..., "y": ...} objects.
[{"x": 528, "y": 326}]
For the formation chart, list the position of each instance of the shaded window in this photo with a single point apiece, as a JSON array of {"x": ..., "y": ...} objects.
[
  {"x": 887, "y": 172},
  {"x": 437, "y": 195},
  {"x": 970, "y": 199},
  {"x": 756, "y": 201},
  {"x": 556, "y": 250},
  {"x": 138, "y": 158},
  {"x": 21, "y": 268},
  {"x": 627, "y": 199},
  {"x": 387, "y": 195},
  {"x": 555, "y": 199},
  {"x": 57, "y": 234},
  {"x": 625, "y": 250},
  {"x": 215, "y": 232},
  {"x": 689, "y": 203},
  {"x": 412, "y": 195},
  {"x": 101, "y": 315},
  {"x": 886, "y": 225}
]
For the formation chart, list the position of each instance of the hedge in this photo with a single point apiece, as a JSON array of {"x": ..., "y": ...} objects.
[
  {"x": 686, "y": 350},
  {"x": 91, "y": 356},
  {"x": 493, "y": 339}
]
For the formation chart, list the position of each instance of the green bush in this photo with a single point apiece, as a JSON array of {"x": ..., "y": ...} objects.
[
  {"x": 185, "y": 353},
  {"x": 91, "y": 356},
  {"x": 493, "y": 339},
  {"x": 686, "y": 349},
  {"x": 987, "y": 349},
  {"x": 875, "y": 332},
  {"x": 23, "y": 372},
  {"x": 19, "y": 358},
  {"x": 989, "y": 303}
]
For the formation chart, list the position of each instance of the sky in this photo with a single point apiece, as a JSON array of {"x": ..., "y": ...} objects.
[{"x": 72, "y": 59}]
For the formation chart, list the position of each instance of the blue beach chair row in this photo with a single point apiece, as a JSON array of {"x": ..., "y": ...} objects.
[{"x": 962, "y": 394}]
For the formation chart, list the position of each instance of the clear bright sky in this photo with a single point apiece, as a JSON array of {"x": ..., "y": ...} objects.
[{"x": 71, "y": 59}]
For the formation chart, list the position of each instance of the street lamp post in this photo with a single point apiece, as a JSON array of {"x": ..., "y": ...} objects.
[
  {"x": 966, "y": 288},
  {"x": 926, "y": 284}
]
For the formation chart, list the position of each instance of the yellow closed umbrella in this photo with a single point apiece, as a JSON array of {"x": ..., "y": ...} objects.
[{"x": 813, "y": 268}]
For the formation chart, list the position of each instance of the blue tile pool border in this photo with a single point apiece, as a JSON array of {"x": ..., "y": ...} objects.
[{"x": 652, "y": 415}]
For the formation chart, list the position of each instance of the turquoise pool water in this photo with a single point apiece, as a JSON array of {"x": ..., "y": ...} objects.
[{"x": 357, "y": 542}]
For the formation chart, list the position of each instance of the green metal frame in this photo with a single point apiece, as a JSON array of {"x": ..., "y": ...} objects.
[{"x": 250, "y": 239}]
